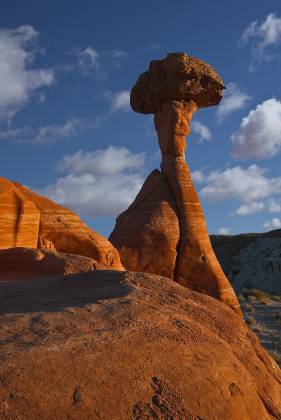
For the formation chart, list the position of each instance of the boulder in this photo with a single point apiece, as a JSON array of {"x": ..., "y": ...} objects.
[
  {"x": 178, "y": 76},
  {"x": 115, "y": 345}
]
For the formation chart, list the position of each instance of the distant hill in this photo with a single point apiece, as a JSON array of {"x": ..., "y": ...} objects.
[{"x": 251, "y": 260}]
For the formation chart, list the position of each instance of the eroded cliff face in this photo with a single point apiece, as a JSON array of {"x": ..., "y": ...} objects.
[
  {"x": 251, "y": 260},
  {"x": 32, "y": 221}
]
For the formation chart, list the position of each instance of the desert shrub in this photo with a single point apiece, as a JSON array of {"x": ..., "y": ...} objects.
[
  {"x": 256, "y": 293},
  {"x": 265, "y": 300},
  {"x": 276, "y": 298}
]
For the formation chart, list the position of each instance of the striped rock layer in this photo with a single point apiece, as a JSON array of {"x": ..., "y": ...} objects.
[
  {"x": 33, "y": 221},
  {"x": 168, "y": 211}
]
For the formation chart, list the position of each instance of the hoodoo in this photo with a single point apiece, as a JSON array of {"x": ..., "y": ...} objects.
[{"x": 166, "y": 220}]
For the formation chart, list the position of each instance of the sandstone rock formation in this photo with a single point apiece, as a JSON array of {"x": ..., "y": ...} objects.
[
  {"x": 19, "y": 217},
  {"x": 27, "y": 263},
  {"x": 30, "y": 220},
  {"x": 173, "y": 89},
  {"x": 147, "y": 233},
  {"x": 114, "y": 345}
]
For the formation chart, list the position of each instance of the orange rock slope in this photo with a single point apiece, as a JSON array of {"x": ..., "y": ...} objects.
[
  {"x": 30, "y": 220},
  {"x": 28, "y": 263},
  {"x": 119, "y": 345},
  {"x": 175, "y": 88}
]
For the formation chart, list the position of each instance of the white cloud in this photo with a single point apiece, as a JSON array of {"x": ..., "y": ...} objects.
[
  {"x": 92, "y": 61},
  {"x": 120, "y": 101},
  {"x": 259, "y": 135},
  {"x": 251, "y": 208},
  {"x": 198, "y": 177},
  {"x": 100, "y": 182},
  {"x": 110, "y": 161},
  {"x": 233, "y": 99},
  {"x": 274, "y": 223},
  {"x": 201, "y": 130},
  {"x": 18, "y": 80},
  {"x": 88, "y": 59},
  {"x": 264, "y": 37},
  {"x": 48, "y": 134},
  {"x": 245, "y": 184},
  {"x": 224, "y": 231},
  {"x": 271, "y": 206},
  {"x": 52, "y": 133}
]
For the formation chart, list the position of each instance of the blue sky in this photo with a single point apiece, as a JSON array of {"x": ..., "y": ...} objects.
[{"x": 66, "y": 130}]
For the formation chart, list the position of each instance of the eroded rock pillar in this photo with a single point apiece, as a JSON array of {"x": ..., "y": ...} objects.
[{"x": 196, "y": 266}]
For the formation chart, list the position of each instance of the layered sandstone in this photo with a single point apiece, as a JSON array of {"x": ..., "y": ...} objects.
[
  {"x": 147, "y": 234},
  {"x": 196, "y": 265},
  {"x": 178, "y": 77},
  {"x": 29, "y": 263},
  {"x": 115, "y": 345},
  {"x": 19, "y": 217},
  {"x": 30, "y": 220}
]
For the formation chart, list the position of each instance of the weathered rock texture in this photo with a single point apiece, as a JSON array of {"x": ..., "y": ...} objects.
[
  {"x": 109, "y": 345},
  {"x": 30, "y": 220},
  {"x": 251, "y": 260},
  {"x": 27, "y": 263},
  {"x": 147, "y": 233},
  {"x": 195, "y": 264},
  {"x": 19, "y": 217},
  {"x": 178, "y": 77}
]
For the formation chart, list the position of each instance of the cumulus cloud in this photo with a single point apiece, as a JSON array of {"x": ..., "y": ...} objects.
[
  {"x": 100, "y": 182},
  {"x": 233, "y": 99},
  {"x": 259, "y": 135},
  {"x": 264, "y": 37},
  {"x": 120, "y": 100},
  {"x": 250, "y": 208},
  {"x": 224, "y": 231},
  {"x": 18, "y": 80},
  {"x": 110, "y": 161},
  {"x": 245, "y": 184},
  {"x": 271, "y": 206},
  {"x": 201, "y": 130},
  {"x": 274, "y": 223},
  {"x": 198, "y": 177}
]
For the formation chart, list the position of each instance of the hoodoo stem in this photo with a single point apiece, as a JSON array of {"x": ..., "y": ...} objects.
[{"x": 197, "y": 266}]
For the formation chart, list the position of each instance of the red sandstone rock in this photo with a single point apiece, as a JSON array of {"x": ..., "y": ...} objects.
[
  {"x": 30, "y": 220},
  {"x": 196, "y": 266},
  {"x": 175, "y": 78},
  {"x": 27, "y": 263},
  {"x": 147, "y": 233},
  {"x": 19, "y": 217},
  {"x": 114, "y": 345}
]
